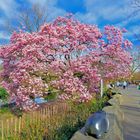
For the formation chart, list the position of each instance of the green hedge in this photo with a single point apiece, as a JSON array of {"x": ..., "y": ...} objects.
[{"x": 3, "y": 94}]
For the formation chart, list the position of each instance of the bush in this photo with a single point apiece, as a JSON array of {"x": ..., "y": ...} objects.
[
  {"x": 82, "y": 112},
  {"x": 59, "y": 126},
  {"x": 3, "y": 94},
  {"x": 17, "y": 111},
  {"x": 52, "y": 94},
  {"x": 4, "y": 110}
]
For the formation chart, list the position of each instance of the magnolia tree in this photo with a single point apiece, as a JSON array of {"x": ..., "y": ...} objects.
[{"x": 65, "y": 55}]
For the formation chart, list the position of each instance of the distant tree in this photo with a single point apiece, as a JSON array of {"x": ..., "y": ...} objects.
[
  {"x": 136, "y": 76},
  {"x": 135, "y": 5},
  {"x": 135, "y": 53},
  {"x": 135, "y": 66},
  {"x": 29, "y": 19}
]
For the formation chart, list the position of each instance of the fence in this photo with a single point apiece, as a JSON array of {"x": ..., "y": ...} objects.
[
  {"x": 45, "y": 123},
  {"x": 49, "y": 117}
]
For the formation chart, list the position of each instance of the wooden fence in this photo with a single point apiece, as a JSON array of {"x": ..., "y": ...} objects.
[{"x": 37, "y": 124}]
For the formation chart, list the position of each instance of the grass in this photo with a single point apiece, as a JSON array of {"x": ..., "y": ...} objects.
[
  {"x": 81, "y": 113},
  {"x": 60, "y": 126},
  {"x": 5, "y": 113}
]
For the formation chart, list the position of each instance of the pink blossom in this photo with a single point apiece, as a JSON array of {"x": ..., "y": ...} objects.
[{"x": 74, "y": 53}]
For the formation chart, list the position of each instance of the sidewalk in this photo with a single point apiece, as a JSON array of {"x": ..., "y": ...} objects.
[{"x": 130, "y": 104}]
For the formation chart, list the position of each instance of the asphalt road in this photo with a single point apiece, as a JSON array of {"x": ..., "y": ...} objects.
[{"x": 130, "y": 104}]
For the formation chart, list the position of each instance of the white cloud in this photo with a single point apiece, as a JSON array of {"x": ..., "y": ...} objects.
[
  {"x": 8, "y": 7},
  {"x": 44, "y": 2},
  {"x": 52, "y": 10},
  {"x": 9, "y": 11},
  {"x": 4, "y": 35},
  {"x": 131, "y": 17},
  {"x": 109, "y": 10},
  {"x": 89, "y": 18},
  {"x": 2, "y": 21},
  {"x": 133, "y": 30},
  {"x": 96, "y": 11}
]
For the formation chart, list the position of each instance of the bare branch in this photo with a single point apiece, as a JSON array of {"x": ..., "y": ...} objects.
[{"x": 30, "y": 19}]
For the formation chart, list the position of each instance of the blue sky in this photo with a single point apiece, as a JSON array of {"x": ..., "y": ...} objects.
[{"x": 99, "y": 12}]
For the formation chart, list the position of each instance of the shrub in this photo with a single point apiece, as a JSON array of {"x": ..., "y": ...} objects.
[
  {"x": 3, "y": 94},
  {"x": 60, "y": 126},
  {"x": 17, "y": 111}
]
